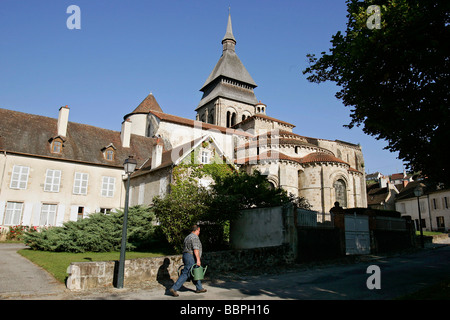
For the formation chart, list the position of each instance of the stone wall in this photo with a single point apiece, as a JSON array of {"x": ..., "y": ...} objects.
[{"x": 101, "y": 274}]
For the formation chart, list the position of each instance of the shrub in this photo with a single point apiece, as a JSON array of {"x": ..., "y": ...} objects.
[{"x": 96, "y": 233}]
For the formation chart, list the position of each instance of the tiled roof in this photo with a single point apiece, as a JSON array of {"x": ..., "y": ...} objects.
[
  {"x": 192, "y": 123},
  {"x": 270, "y": 155},
  {"x": 310, "y": 158},
  {"x": 29, "y": 134},
  {"x": 263, "y": 116},
  {"x": 321, "y": 157},
  {"x": 147, "y": 105}
]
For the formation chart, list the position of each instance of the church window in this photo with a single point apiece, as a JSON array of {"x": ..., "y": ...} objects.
[
  {"x": 297, "y": 149},
  {"x": 341, "y": 192},
  {"x": 233, "y": 119}
]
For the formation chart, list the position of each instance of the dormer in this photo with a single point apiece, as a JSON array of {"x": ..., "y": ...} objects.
[
  {"x": 56, "y": 144},
  {"x": 109, "y": 152}
]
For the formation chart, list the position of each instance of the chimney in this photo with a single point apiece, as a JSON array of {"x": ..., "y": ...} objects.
[
  {"x": 157, "y": 153},
  {"x": 63, "y": 120},
  {"x": 125, "y": 134}
]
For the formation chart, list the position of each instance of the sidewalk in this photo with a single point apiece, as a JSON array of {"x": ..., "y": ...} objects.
[{"x": 343, "y": 279}]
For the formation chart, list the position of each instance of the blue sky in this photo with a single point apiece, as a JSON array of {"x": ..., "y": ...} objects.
[{"x": 127, "y": 49}]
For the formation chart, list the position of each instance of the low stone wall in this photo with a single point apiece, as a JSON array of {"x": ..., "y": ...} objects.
[{"x": 89, "y": 275}]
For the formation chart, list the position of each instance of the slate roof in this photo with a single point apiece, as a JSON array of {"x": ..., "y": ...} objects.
[
  {"x": 29, "y": 134},
  {"x": 229, "y": 67}
]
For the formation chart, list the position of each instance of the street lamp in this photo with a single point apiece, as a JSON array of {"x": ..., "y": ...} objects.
[
  {"x": 418, "y": 192},
  {"x": 129, "y": 165}
]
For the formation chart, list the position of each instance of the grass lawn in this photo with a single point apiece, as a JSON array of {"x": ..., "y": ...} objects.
[
  {"x": 56, "y": 263},
  {"x": 428, "y": 233}
]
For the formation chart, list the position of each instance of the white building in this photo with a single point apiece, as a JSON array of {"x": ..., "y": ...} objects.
[
  {"x": 53, "y": 170},
  {"x": 434, "y": 207}
]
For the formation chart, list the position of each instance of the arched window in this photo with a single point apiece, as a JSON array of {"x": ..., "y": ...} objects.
[
  {"x": 340, "y": 190},
  {"x": 233, "y": 119},
  {"x": 228, "y": 119}
]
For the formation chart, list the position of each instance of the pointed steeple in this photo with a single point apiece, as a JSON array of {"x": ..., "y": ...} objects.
[{"x": 229, "y": 33}]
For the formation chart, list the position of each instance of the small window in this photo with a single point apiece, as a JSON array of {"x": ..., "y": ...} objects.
[
  {"x": 205, "y": 157},
  {"x": 109, "y": 152},
  {"x": 56, "y": 146},
  {"x": 19, "y": 177},
  {"x": 13, "y": 213},
  {"x": 109, "y": 155},
  {"x": 105, "y": 210},
  {"x": 80, "y": 213},
  {"x": 440, "y": 222}
]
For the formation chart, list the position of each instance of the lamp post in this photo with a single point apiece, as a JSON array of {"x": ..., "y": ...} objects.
[
  {"x": 418, "y": 192},
  {"x": 129, "y": 166}
]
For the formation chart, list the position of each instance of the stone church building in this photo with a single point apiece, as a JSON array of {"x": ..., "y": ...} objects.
[
  {"x": 53, "y": 170},
  {"x": 230, "y": 116}
]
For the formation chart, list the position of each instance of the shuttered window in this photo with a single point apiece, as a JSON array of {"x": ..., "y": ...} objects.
[
  {"x": 108, "y": 186},
  {"x": 13, "y": 213},
  {"x": 19, "y": 177},
  {"x": 48, "y": 215},
  {"x": 52, "y": 180},
  {"x": 80, "y": 183}
]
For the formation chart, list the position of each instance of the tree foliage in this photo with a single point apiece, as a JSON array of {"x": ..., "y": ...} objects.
[
  {"x": 396, "y": 78},
  {"x": 190, "y": 203},
  {"x": 97, "y": 233}
]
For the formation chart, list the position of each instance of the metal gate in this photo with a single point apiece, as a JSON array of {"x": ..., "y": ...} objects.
[{"x": 357, "y": 235}]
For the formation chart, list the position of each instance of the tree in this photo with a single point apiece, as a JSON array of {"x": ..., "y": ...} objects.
[
  {"x": 190, "y": 203},
  {"x": 396, "y": 78}
]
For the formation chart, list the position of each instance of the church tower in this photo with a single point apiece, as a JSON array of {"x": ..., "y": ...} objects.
[{"x": 228, "y": 96}]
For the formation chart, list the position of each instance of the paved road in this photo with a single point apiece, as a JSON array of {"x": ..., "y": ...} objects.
[
  {"x": 401, "y": 274},
  {"x": 21, "y": 278}
]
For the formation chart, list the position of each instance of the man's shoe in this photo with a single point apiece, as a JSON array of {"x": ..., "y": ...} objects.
[
  {"x": 173, "y": 292},
  {"x": 200, "y": 291}
]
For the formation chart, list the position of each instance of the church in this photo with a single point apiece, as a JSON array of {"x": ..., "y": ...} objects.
[
  {"x": 232, "y": 123},
  {"x": 53, "y": 170}
]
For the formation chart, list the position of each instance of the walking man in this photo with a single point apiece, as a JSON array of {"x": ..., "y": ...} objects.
[{"x": 192, "y": 252}]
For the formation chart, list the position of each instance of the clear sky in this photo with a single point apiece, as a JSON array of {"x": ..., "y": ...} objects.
[{"x": 127, "y": 49}]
